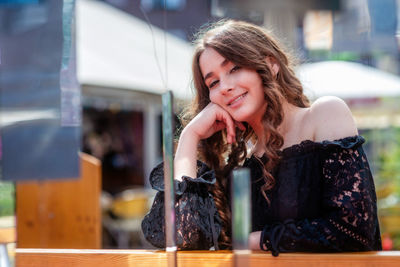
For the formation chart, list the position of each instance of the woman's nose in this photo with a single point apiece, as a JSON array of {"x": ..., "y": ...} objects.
[{"x": 226, "y": 87}]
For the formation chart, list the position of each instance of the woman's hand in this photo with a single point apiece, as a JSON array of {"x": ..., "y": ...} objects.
[
  {"x": 212, "y": 119},
  {"x": 254, "y": 240}
]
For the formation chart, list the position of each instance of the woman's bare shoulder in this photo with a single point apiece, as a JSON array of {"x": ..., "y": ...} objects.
[{"x": 331, "y": 119}]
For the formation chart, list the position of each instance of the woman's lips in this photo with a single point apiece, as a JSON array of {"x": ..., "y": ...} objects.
[{"x": 236, "y": 101}]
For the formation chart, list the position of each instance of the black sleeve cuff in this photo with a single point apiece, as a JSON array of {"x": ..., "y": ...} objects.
[
  {"x": 271, "y": 236},
  {"x": 205, "y": 176}
]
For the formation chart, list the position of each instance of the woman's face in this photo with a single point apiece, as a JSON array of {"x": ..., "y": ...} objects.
[{"x": 237, "y": 90}]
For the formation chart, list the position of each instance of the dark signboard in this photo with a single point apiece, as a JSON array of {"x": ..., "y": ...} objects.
[{"x": 40, "y": 96}]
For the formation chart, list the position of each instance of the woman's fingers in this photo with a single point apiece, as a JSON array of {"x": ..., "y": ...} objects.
[
  {"x": 213, "y": 118},
  {"x": 230, "y": 128},
  {"x": 219, "y": 125},
  {"x": 240, "y": 125}
]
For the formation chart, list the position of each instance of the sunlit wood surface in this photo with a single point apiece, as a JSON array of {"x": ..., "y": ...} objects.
[
  {"x": 138, "y": 258},
  {"x": 7, "y": 235},
  {"x": 61, "y": 213}
]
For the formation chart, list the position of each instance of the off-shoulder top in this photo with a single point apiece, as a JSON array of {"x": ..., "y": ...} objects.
[{"x": 323, "y": 201}]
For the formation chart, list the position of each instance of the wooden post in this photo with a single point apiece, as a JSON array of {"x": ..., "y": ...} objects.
[{"x": 61, "y": 213}]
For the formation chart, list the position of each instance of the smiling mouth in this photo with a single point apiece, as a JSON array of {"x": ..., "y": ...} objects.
[{"x": 237, "y": 99}]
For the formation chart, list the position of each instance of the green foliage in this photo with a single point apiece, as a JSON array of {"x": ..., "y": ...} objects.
[
  {"x": 396, "y": 241},
  {"x": 389, "y": 171},
  {"x": 7, "y": 199},
  {"x": 388, "y": 186},
  {"x": 323, "y": 55},
  {"x": 328, "y": 55}
]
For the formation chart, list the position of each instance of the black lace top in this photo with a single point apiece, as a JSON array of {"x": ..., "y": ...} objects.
[{"x": 324, "y": 200}]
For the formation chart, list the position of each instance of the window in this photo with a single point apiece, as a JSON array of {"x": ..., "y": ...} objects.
[{"x": 163, "y": 4}]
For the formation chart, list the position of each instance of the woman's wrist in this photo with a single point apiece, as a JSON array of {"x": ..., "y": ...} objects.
[
  {"x": 185, "y": 161},
  {"x": 188, "y": 132}
]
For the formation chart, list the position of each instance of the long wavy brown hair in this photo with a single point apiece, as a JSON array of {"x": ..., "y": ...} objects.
[{"x": 247, "y": 46}]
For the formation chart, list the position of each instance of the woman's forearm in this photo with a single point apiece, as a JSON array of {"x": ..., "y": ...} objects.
[{"x": 185, "y": 161}]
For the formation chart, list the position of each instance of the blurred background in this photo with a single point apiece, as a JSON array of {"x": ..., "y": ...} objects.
[{"x": 99, "y": 91}]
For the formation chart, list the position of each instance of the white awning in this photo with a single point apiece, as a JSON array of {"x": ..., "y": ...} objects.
[
  {"x": 116, "y": 49},
  {"x": 347, "y": 80}
]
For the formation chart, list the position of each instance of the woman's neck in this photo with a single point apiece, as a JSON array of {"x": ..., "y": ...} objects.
[{"x": 289, "y": 112}]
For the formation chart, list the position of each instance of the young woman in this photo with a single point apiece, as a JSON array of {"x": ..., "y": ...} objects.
[{"x": 312, "y": 189}]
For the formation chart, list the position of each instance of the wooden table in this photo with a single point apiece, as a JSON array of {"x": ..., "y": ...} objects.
[{"x": 154, "y": 258}]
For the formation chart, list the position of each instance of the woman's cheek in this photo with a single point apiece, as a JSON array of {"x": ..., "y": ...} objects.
[{"x": 213, "y": 97}]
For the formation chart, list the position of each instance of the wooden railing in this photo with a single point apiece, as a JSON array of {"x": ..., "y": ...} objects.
[
  {"x": 138, "y": 258},
  {"x": 66, "y": 214}
]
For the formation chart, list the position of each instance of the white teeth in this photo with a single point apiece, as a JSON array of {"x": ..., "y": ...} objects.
[{"x": 237, "y": 99}]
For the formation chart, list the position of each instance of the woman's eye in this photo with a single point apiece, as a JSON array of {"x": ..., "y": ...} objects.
[
  {"x": 235, "y": 68},
  {"x": 212, "y": 84}
]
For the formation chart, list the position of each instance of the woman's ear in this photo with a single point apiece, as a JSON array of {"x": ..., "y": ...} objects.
[{"x": 273, "y": 65}]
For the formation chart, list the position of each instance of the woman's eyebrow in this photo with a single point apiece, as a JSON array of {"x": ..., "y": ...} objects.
[{"x": 208, "y": 75}]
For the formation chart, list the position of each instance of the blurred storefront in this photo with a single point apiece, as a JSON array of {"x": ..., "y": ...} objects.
[{"x": 124, "y": 65}]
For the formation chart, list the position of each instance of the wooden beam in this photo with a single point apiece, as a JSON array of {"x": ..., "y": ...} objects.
[{"x": 153, "y": 258}]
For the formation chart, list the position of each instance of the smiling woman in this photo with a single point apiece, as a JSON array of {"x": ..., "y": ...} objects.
[
  {"x": 311, "y": 185},
  {"x": 238, "y": 90}
]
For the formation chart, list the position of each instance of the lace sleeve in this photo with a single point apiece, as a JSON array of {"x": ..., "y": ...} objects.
[
  {"x": 349, "y": 218},
  {"x": 197, "y": 221}
]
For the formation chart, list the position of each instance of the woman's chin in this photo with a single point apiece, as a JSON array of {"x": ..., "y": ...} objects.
[
  {"x": 241, "y": 120},
  {"x": 240, "y": 117}
]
